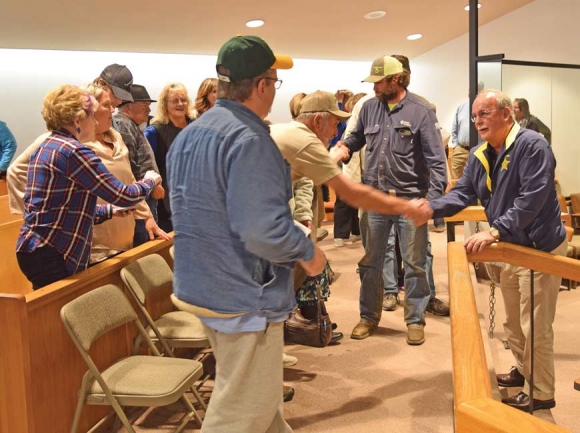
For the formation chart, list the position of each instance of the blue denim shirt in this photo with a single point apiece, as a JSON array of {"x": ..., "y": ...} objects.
[
  {"x": 235, "y": 242},
  {"x": 516, "y": 188},
  {"x": 404, "y": 149}
]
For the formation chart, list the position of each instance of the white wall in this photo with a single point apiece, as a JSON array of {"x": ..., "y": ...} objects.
[{"x": 27, "y": 75}]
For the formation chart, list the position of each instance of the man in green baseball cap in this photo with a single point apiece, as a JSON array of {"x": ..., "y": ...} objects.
[{"x": 235, "y": 240}]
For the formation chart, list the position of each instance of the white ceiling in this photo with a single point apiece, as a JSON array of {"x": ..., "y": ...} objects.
[{"x": 312, "y": 29}]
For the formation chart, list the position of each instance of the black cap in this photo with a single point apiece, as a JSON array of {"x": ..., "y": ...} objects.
[
  {"x": 140, "y": 93},
  {"x": 120, "y": 79}
]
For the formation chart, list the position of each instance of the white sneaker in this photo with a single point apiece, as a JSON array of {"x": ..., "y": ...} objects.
[
  {"x": 338, "y": 242},
  {"x": 356, "y": 238},
  {"x": 289, "y": 360}
]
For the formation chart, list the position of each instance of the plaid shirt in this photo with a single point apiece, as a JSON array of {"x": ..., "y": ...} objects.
[{"x": 60, "y": 203}]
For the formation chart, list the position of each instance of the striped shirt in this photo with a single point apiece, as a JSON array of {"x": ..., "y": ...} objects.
[{"x": 60, "y": 204}]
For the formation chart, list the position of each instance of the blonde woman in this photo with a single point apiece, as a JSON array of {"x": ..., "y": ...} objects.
[
  {"x": 64, "y": 180},
  {"x": 206, "y": 96},
  {"x": 174, "y": 112}
]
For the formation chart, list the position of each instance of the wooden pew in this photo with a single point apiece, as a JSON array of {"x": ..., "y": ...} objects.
[
  {"x": 5, "y": 215},
  {"x": 40, "y": 368},
  {"x": 12, "y": 280},
  {"x": 475, "y": 409}
]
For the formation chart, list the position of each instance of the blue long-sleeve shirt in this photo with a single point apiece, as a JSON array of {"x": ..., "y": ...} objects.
[
  {"x": 235, "y": 240},
  {"x": 516, "y": 188},
  {"x": 7, "y": 147},
  {"x": 404, "y": 150}
]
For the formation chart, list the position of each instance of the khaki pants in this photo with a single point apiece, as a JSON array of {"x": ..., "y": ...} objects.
[
  {"x": 458, "y": 161},
  {"x": 515, "y": 287},
  {"x": 247, "y": 396}
]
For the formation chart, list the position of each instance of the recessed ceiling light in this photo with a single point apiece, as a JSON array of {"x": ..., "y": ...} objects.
[
  {"x": 255, "y": 23},
  {"x": 467, "y": 7},
  {"x": 374, "y": 15},
  {"x": 414, "y": 36}
]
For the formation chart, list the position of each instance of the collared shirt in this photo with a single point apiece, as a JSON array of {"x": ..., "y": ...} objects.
[
  {"x": 141, "y": 154},
  {"x": 461, "y": 126},
  {"x": 404, "y": 151},
  {"x": 60, "y": 204},
  {"x": 516, "y": 188},
  {"x": 235, "y": 240},
  {"x": 7, "y": 147}
]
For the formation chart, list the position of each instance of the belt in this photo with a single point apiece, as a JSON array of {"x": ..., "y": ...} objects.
[{"x": 465, "y": 146}]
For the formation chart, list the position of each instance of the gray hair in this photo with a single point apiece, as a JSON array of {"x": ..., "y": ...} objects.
[{"x": 501, "y": 100}]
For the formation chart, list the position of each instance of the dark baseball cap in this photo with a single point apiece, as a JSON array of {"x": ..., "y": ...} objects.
[
  {"x": 139, "y": 93},
  {"x": 120, "y": 79},
  {"x": 245, "y": 57}
]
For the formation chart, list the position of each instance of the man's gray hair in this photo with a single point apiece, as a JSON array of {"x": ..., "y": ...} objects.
[
  {"x": 501, "y": 99},
  {"x": 309, "y": 117}
]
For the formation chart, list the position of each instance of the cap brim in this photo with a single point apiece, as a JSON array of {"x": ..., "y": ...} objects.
[
  {"x": 282, "y": 62},
  {"x": 342, "y": 115},
  {"x": 145, "y": 100},
  {"x": 373, "y": 79},
  {"x": 122, "y": 94}
]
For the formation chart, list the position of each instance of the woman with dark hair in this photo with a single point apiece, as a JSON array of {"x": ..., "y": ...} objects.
[
  {"x": 206, "y": 96},
  {"x": 65, "y": 178},
  {"x": 174, "y": 112}
]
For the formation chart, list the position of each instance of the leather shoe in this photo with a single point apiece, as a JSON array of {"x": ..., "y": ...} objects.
[
  {"x": 512, "y": 379},
  {"x": 288, "y": 393},
  {"x": 336, "y": 336},
  {"x": 522, "y": 402},
  {"x": 363, "y": 329}
]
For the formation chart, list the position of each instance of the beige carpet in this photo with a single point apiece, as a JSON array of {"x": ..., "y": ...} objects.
[{"x": 381, "y": 384}]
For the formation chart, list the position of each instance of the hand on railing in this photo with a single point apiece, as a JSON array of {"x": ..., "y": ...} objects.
[{"x": 478, "y": 241}]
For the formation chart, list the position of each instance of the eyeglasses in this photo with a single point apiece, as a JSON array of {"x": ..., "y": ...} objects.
[
  {"x": 178, "y": 100},
  {"x": 277, "y": 82},
  {"x": 482, "y": 114}
]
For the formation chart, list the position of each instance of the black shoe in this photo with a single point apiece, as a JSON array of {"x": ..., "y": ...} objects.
[
  {"x": 288, "y": 393},
  {"x": 334, "y": 326},
  {"x": 438, "y": 307},
  {"x": 336, "y": 336},
  {"x": 522, "y": 402},
  {"x": 512, "y": 379}
]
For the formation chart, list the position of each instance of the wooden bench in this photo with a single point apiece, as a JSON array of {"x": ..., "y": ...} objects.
[
  {"x": 475, "y": 409},
  {"x": 40, "y": 368}
]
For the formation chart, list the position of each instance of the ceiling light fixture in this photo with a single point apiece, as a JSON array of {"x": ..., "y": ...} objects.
[
  {"x": 374, "y": 15},
  {"x": 255, "y": 23},
  {"x": 414, "y": 36},
  {"x": 467, "y": 7}
]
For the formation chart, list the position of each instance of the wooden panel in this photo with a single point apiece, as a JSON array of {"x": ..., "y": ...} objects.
[
  {"x": 55, "y": 366},
  {"x": 12, "y": 279},
  {"x": 15, "y": 414},
  {"x": 3, "y": 187},
  {"x": 5, "y": 215}
]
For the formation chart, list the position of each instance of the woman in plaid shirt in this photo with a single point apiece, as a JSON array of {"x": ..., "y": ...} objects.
[{"x": 64, "y": 180}]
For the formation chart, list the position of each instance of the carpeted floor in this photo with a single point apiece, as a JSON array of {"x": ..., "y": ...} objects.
[{"x": 382, "y": 384}]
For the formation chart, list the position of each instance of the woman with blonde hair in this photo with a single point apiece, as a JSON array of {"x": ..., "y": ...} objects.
[
  {"x": 65, "y": 178},
  {"x": 174, "y": 112},
  {"x": 206, "y": 96}
]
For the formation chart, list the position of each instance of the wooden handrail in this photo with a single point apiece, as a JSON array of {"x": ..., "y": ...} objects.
[
  {"x": 475, "y": 409},
  {"x": 470, "y": 213},
  {"x": 529, "y": 258}
]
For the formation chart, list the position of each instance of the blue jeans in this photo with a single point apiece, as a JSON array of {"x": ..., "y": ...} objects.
[
  {"x": 141, "y": 236},
  {"x": 413, "y": 242},
  {"x": 429, "y": 268}
]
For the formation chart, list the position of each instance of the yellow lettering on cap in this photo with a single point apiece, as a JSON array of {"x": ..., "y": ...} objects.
[{"x": 377, "y": 69}]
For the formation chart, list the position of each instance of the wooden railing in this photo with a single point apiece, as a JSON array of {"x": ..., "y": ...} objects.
[
  {"x": 475, "y": 409},
  {"x": 40, "y": 368}
]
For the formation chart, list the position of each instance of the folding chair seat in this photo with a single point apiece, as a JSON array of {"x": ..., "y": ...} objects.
[
  {"x": 131, "y": 381},
  {"x": 144, "y": 277}
]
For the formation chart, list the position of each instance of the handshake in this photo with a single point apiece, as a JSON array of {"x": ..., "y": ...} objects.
[
  {"x": 339, "y": 152},
  {"x": 419, "y": 211}
]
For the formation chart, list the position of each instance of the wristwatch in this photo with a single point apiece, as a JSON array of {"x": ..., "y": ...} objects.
[{"x": 495, "y": 233}]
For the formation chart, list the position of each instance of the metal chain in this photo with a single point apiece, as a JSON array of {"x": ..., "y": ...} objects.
[{"x": 491, "y": 308}]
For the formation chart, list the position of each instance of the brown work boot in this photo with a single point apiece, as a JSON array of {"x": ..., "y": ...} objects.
[
  {"x": 415, "y": 334},
  {"x": 390, "y": 302},
  {"x": 438, "y": 307},
  {"x": 363, "y": 329}
]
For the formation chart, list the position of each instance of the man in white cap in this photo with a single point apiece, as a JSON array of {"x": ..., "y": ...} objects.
[
  {"x": 404, "y": 158},
  {"x": 235, "y": 240}
]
